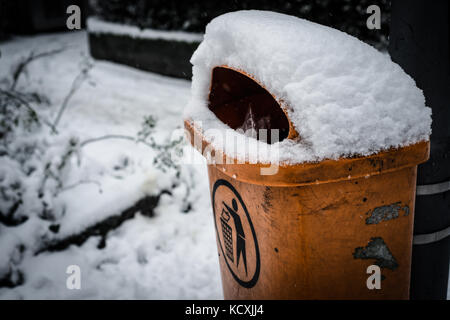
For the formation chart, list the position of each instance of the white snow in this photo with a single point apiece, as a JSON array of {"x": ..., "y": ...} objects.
[
  {"x": 97, "y": 25},
  {"x": 172, "y": 255},
  {"x": 343, "y": 97}
]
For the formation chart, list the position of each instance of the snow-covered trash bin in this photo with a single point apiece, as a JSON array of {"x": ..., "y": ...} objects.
[{"x": 313, "y": 140}]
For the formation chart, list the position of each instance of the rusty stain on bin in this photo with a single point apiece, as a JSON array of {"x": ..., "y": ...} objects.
[
  {"x": 378, "y": 250},
  {"x": 312, "y": 214},
  {"x": 386, "y": 213}
]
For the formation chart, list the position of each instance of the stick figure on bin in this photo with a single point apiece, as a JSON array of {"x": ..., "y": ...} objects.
[{"x": 240, "y": 235}]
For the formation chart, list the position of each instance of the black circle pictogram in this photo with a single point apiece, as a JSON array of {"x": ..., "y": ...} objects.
[{"x": 227, "y": 252}]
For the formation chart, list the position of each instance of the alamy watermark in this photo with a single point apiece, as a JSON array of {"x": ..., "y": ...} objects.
[
  {"x": 374, "y": 280},
  {"x": 73, "y": 22},
  {"x": 374, "y": 20},
  {"x": 73, "y": 281}
]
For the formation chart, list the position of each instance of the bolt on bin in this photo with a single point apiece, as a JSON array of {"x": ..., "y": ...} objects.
[{"x": 317, "y": 227}]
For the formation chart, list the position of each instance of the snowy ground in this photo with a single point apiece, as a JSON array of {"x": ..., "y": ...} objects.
[{"x": 170, "y": 256}]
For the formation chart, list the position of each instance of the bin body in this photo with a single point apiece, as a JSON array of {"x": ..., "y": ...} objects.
[
  {"x": 307, "y": 237},
  {"x": 312, "y": 230}
]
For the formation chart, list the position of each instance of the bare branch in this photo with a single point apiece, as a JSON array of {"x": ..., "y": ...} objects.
[
  {"x": 19, "y": 69},
  {"x": 76, "y": 84},
  {"x": 106, "y": 137},
  {"x": 81, "y": 182}
]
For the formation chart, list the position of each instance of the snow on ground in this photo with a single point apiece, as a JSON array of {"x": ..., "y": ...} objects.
[{"x": 172, "y": 255}]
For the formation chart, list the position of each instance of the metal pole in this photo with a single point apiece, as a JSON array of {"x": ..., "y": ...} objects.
[{"x": 419, "y": 43}]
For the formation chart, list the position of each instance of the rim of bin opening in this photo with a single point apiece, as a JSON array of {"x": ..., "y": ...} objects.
[
  {"x": 325, "y": 171},
  {"x": 293, "y": 134}
]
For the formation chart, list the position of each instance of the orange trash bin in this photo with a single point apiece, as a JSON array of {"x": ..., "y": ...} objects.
[{"x": 312, "y": 230}]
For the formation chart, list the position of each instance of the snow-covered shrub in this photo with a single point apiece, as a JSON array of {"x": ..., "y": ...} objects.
[
  {"x": 23, "y": 174},
  {"x": 40, "y": 160},
  {"x": 123, "y": 221},
  {"x": 34, "y": 156}
]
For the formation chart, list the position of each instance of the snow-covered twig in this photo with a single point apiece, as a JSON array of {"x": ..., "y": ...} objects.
[
  {"x": 76, "y": 84},
  {"x": 106, "y": 137},
  {"x": 20, "y": 67},
  {"x": 22, "y": 101},
  {"x": 79, "y": 183},
  {"x": 163, "y": 159}
]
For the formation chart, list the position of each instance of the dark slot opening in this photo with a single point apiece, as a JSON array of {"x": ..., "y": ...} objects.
[{"x": 242, "y": 103}]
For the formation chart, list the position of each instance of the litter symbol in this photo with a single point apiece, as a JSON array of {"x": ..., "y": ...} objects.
[
  {"x": 227, "y": 234},
  {"x": 235, "y": 233}
]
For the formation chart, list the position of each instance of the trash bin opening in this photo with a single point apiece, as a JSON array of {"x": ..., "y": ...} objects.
[{"x": 242, "y": 103}]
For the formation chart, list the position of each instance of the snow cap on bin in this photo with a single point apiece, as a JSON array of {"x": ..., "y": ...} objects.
[{"x": 341, "y": 96}]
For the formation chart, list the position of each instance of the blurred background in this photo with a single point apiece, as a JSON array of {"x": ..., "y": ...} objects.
[{"x": 171, "y": 57}]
